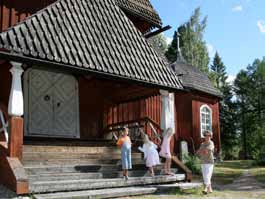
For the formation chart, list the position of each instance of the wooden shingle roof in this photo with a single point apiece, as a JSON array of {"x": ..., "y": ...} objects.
[
  {"x": 141, "y": 8},
  {"x": 91, "y": 35},
  {"x": 192, "y": 78}
]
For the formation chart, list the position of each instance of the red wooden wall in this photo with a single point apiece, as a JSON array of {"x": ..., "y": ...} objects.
[
  {"x": 188, "y": 119},
  {"x": 147, "y": 107},
  {"x": 14, "y": 11}
]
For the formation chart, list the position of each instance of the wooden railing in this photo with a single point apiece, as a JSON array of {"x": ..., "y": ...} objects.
[
  {"x": 137, "y": 129},
  {"x": 4, "y": 125}
]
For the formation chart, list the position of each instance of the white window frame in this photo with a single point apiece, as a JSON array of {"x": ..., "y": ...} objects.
[{"x": 211, "y": 119}]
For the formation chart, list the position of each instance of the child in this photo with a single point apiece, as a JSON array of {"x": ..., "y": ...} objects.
[
  {"x": 205, "y": 152},
  {"x": 150, "y": 154},
  {"x": 125, "y": 143},
  {"x": 165, "y": 150}
]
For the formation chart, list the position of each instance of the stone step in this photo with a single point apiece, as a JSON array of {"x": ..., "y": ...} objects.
[
  {"x": 64, "y": 176},
  {"x": 77, "y": 185},
  {"x": 80, "y": 168},
  {"x": 91, "y": 175},
  {"x": 84, "y": 149},
  {"x": 42, "y": 156},
  {"x": 40, "y": 162},
  {"x": 101, "y": 193}
]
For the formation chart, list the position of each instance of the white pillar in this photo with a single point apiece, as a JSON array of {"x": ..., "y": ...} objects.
[
  {"x": 168, "y": 110},
  {"x": 16, "y": 103}
]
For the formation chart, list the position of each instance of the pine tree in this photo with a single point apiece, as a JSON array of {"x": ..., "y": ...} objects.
[
  {"x": 227, "y": 109},
  {"x": 219, "y": 70},
  {"x": 191, "y": 42}
]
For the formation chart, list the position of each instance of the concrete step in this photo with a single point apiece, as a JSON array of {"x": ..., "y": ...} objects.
[
  {"x": 39, "y": 156},
  {"x": 101, "y": 193},
  {"x": 76, "y": 185}
]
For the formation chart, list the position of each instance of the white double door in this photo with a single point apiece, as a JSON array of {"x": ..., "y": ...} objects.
[{"x": 52, "y": 104}]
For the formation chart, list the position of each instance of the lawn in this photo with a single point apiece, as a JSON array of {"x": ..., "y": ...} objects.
[
  {"x": 224, "y": 174},
  {"x": 259, "y": 174}
]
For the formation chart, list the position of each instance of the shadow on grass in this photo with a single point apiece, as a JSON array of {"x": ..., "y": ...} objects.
[
  {"x": 187, "y": 192},
  {"x": 239, "y": 164}
]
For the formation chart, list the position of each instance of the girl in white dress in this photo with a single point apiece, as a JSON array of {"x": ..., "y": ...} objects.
[{"x": 150, "y": 154}]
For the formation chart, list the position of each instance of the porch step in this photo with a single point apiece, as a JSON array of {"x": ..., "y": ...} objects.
[
  {"x": 91, "y": 175},
  {"x": 76, "y": 149},
  {"x": 101, "y": 193},
  {"x": 58, "y": 161},
  {"x": 81, "y": 168},
  {"x": 84, "y": 184}
]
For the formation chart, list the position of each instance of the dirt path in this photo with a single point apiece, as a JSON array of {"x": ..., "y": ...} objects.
[{"x": 246, "y": 182}]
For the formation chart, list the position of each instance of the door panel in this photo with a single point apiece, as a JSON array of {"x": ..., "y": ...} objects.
[
  {"x": 53, "y": 104},
  {"x": 65, "y": 105},
  {"x": 40, "y": 103}
]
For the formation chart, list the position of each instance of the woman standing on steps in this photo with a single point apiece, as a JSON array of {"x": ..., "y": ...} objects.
[
  {"x": 205, "y": 152},
  {"x": 165, "y": 150},
  {"x": 124, "y": 142}
]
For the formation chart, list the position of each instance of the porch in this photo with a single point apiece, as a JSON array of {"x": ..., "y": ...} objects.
[{"x": 82, "y": 148}]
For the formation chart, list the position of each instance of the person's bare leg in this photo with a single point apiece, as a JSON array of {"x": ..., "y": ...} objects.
[
  {"x": 209, "y": 189},
  {"x": 151, "y": 169},
  {"x": 165, "y": 167}
]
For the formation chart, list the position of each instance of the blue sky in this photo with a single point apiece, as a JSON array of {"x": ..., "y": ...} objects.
[{"x": 236, "y": 28}]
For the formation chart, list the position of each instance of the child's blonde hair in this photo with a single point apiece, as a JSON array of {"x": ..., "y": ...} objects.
[{"x": 168, "y": 132}]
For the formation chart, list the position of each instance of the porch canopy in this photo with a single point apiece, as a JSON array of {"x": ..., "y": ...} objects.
[
  {"x": 142, "y": 9},
  {"x": 89, "y": 36}
]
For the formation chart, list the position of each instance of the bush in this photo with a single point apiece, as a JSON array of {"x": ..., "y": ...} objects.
[{"x": 193, "y": 163}]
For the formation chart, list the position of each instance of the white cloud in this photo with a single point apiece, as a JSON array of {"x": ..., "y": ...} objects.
[
  {"x": 231, "y": 79},
  {"x": 261, "y": 26},
  {"x": 211, "y": 50},
  {"x": 169, "y": 40},
  {"x": 237, "y": 8}
]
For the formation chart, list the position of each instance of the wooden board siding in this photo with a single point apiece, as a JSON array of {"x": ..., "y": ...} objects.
[
  {"x": 197, "y": 102},
  {"x": 14, "y": 11},
  {"x": 147, "y": 107},
  {"x": 183, "y": 119},
  {"x": 188, "y": 119},
  {"x": 91, "y": 104}
]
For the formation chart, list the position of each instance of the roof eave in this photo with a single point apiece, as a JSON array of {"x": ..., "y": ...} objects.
[{"x": 78, "y": 70}]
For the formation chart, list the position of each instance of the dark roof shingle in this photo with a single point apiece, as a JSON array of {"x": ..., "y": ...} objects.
[
  {"x": 93, "y": 35},
  {"x": 141, "y": 8},
  {"x": 193, "y": 78}
]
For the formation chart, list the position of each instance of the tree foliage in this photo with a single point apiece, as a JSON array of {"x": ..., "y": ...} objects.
[
  {"x": 250, "y": 94},
  {"x": 191, "y": 42},
  {"x": 229, "y": 135}
]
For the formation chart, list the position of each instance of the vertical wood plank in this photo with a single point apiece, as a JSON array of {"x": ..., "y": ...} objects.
[{"x": 15, "y": 144}]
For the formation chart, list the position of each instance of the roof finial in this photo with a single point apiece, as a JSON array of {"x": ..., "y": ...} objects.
[{"x": 180, "y": 58}]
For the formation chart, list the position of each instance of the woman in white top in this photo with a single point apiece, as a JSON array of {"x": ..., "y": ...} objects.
[{"x": 150, "y": 154}]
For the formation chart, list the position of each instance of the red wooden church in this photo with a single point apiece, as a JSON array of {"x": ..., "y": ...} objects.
[{"x": 72, "y": 72}]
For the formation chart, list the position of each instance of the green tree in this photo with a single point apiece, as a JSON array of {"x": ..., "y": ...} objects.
[
  {"x": 250, "y": 92},
  {"x": 227, "y": 109},
  {"x": 191, "y": 42}
]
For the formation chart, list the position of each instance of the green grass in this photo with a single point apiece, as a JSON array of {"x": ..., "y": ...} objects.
[
  {"x": 227, "y": 172},
  {"x": 259, "y": 174}
]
